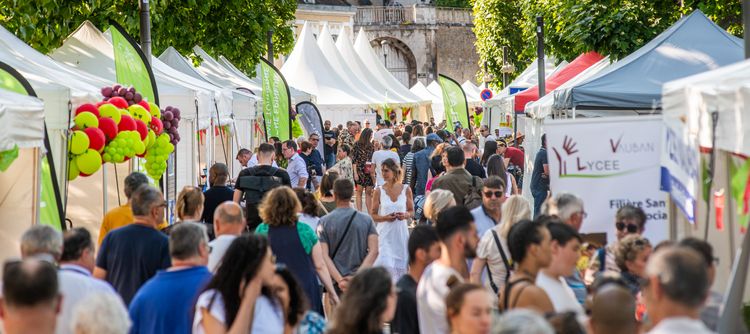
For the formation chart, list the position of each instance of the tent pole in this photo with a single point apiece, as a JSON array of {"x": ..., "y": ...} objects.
[
  {"x": 105, "y": 201},
  {"x": 540, "y": 55},
  {"x": 731, "y": 207},
  {"x": 745, "y": 24},
  {"x": 37, "y": 184}
]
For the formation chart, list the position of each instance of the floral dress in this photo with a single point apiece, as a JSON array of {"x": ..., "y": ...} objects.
[{"x": 362, "y": 154}]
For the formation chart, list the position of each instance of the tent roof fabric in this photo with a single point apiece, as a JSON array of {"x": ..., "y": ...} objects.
[
  {"x": 471, "y": 91},
  {"x": 378, "y": 70},
  {"x": 22, "y": 120},
  {"x": 307, "y": 69},
  {"x": 339, "y": 64},
  {"x": 694, "y": 44},
  {"x": 526, "y": 79},
  {"x": 689, "y": 102},
  {"x": 543, "y": 107},
  {"x": 575, "y": 67}
]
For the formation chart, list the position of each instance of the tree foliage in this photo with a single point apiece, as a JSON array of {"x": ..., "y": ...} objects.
[
  {"x": 236, "y": 29},
  {"x": 453, "y": 3},
  {"x": 610, "y": 27}
]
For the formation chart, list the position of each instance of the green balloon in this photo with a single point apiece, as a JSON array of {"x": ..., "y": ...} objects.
[
  {"x": 79, "y": 142},
  {"x": 73, "y": 170},
  {"x": 89, "y": 162}
]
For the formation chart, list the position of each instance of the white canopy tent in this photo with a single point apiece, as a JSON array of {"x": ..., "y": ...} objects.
[
  {"x": 340, "y": 66},
  {"x": 22, "y": 124},
  {"x": 242, "y": 107},
  {"x": 687, "y": 107},
  {"x": 62, "y": 88},
  {"x": 378, "y": 70},
  {"x": 438, "y": 109},
  {"x": 376, "y": 80},
  {"x": 307, "y": 69},
  {"x": 472, "y": 92}
]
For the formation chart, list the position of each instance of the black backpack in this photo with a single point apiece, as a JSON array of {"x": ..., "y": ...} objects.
[{"x": 253, "y": 188}]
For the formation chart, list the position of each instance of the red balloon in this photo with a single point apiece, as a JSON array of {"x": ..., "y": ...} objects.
[
  {"x": 99, "y": 104},
  {"x": 108, "y": 127},
  {"x": 96, "y": 138},
  {"x": 88, "y": 107},
  {"x": 83, "y": 174},
  {"x": 145, "y": 105},
  {"x": 156, "y": 125},
  {"x": 141, "y": 128},
  {"x": 126, "y": 159},
  {"x": 126, "y": 124},
  {"x": 119, "y": 102},
  {"x": 141, "y": 155}
]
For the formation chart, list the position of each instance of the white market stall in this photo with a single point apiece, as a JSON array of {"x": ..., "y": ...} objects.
[
  {"x": 22, "y": 124},
  {"x": 307, "y": 69}
]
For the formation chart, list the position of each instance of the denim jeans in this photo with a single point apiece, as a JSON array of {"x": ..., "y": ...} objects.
[{"x": 539, "y": 197}]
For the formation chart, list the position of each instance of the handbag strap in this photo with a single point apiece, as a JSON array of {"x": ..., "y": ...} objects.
[
  {"x": 502, "y": 254},
  {"x": 341, "y": 241}
]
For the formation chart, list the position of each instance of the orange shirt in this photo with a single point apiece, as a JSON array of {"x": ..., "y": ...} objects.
[{"x": 119, "y": 217}]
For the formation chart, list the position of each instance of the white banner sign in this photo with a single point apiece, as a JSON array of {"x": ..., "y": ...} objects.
[{"x": 610, "y": 162}]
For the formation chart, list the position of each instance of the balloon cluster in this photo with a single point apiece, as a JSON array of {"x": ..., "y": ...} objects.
[
  {"x": 170, "y": 119},
  {"x": 122, "y": 126}
]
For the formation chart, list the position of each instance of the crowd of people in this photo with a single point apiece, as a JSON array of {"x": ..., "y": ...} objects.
[{"x": 411, "y": 228}]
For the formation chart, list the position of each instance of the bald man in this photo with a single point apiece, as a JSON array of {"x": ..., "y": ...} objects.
[
  {"x": 613, "y": 311},
  {"x": 229, "y": 223}
]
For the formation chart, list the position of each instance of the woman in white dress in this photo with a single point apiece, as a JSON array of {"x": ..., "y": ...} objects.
[{"x": 392, "y": 209}]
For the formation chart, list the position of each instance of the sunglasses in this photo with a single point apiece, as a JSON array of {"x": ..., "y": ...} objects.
[
  {"x": 497, "y": 194},
  {"x": 632, "y": 228}
]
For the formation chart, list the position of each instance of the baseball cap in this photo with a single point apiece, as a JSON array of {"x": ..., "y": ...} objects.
[{"x": 434, "y": 137}]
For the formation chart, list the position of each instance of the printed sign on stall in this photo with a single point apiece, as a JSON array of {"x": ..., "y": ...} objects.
[{"x": 610, "y": 162}]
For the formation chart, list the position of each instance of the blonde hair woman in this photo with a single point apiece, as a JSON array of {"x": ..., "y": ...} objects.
[
  {"x": 437, "y": 201},
  {"x": 295, "y": 244},
  {"x": 492, "y": 250},
  {"x": 189, "y": 206}
]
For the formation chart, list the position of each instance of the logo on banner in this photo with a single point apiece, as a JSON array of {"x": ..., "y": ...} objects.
[{"x": 572, "y": 164}]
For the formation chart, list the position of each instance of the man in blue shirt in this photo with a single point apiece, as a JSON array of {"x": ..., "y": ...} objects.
[
  {"x": 165, "y": 303},
  {"x": 130, "y": 255},
  {"x": 422, "y": 164}
]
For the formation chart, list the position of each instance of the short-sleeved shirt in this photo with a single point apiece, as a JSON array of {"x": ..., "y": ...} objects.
[
  {"x": 431, "y": 292},
  {"x": 562, "y": 296},
  {"x": 218, "y": 248},
  {"x": 306, "y": 235},
  {"x": 537, "y": 182},
  {"x": 165, "y": 303},
  {"x": 76, "y": 285},
  {"x": 515, "y": 155},
  {"x": 131, "y": 255},
  {"x": 482, "y": 220},
  {"x": 378, "y": 158},
  {"x": 406, "y": 319},
  {"x": 119, "y": 217},
  {"x": 268, "y": 317},
  {"x": 354, "y": 249},
  {"x": 297, "y": 169},
  {"x": 487, "y": 250}
]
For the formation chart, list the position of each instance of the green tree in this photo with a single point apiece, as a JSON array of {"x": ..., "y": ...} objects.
[
  {"x": 726, "y": 13},
  {"x": 236, "y": 29},
  {"x": 496, "y": 24},
  {"x": 453, "y": 3}
]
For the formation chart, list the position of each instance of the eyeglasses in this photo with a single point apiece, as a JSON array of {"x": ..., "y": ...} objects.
[
  {"x": 161, "y": 205},
  {"x": 632, "y": 228},
  {"x": 497, "y": 194},
  {"x": 584, "y": 214},
  {"x": 314, "y": 139}
]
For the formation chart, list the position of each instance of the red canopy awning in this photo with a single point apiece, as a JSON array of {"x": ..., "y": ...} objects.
[{"x": 568, "y": 72}]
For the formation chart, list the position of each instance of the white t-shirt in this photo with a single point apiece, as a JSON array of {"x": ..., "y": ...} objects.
[
  {"x": 377, "y": 158},
  {"x": 679, "y": 325},
  {"x": 562, "y": 296},
  {"x": 487, "y": 250},
  {"x": 268, "y": 318},
  {"x": 218, "y": 246},
  {"x": 431, "y": 292},
  {"x": 382, "y": 133},
  {"x": 254, "y": 162}
]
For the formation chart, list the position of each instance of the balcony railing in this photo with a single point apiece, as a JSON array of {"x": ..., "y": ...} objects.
[
  {"x": 395, "y": 15},
  {"x": 376, "y": 15},
  {"x": 453, "y": 16}
]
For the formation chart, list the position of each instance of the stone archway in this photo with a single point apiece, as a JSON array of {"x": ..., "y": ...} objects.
[{"x": 398, "y": 59}]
